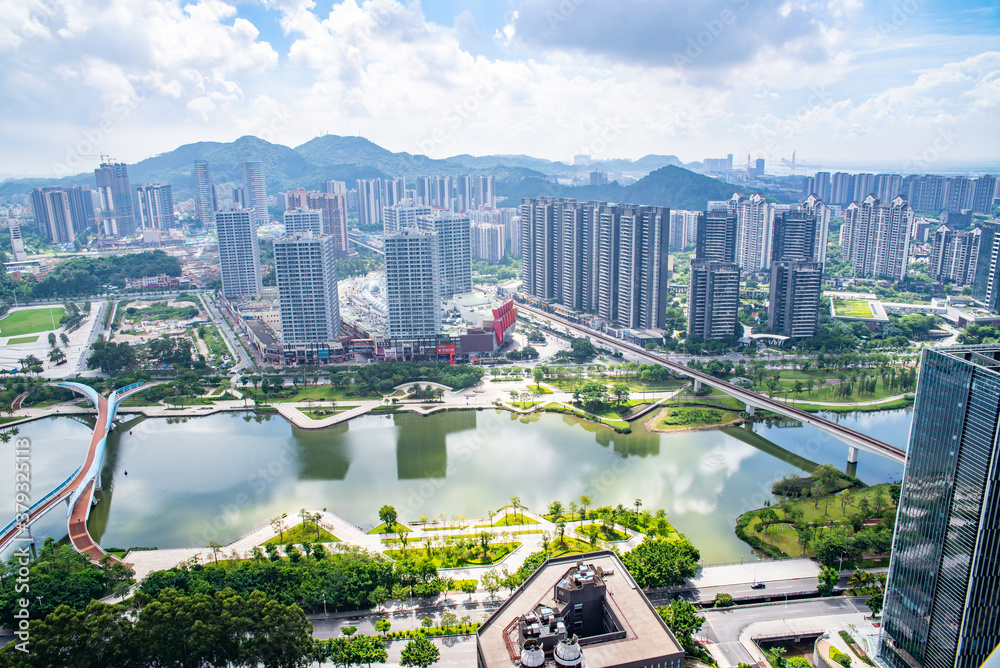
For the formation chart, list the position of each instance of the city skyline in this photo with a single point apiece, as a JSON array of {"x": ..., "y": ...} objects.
[{"x": 844, "y": 82}]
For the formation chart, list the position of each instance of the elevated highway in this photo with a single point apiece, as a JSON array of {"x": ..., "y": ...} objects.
[
  {"x": 854, "y": 439},
  {"x": 77, "y": 490}
]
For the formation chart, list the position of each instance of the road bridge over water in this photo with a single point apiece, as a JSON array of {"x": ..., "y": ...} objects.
[{"x": 753, "y": 400}]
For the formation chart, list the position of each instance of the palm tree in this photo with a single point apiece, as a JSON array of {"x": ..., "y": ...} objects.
[{"x": 585, "y": 501}]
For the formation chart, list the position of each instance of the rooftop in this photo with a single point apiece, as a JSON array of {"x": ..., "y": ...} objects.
[{"x": 637, "y": 635}]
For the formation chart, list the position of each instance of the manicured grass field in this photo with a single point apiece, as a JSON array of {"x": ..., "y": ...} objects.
[
  {"x": 510, "y": 520},
  {"x": 31, "y": 321},
  {"x": 398, "y": 528},
  {"x": 323, "y": 413},
  {"x": 852, "y": 308},
  {"x": 603, "y": 533},
  {"x": 561, "y": 547},
  {"x": 22, "y": 339},
  {"x": 692, "y": 416},
  {"x": 447, "y": 557}
]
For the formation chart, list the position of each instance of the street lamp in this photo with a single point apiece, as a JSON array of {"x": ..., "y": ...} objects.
[{"x": 324, "y": 605}]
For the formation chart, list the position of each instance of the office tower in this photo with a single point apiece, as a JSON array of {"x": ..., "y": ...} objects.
[
  {"x": 155, "y": 207},
  {"x": 486, "y": 191},
  {"x": 61, "y": 213},
  {"x": 303, "y": 219},
  {"x": 305, "y": 268},
  {"x": 793, "y": 303},
  {"x": 715, "y": 236},
  {"x": 413, "y": 283},
  {"x": 955, "y": 255},
  {"x": 986, "y": 285},
  {"x": 369, "y": 202},
  {"x": 205, "y": 204},
  {"x": 713, "y": 299},
  {"x": 255, "y": 190},
  {"x": 117, "y": 214},
  {"x": 393, "y": 191},
  {"x": 402, "y": 214},
  {"x": 642, "y": 266},
  {"x": 17, "y": 243},
  {"x": 463, "y": 193},
  {"x": 941, "y": 593},
  {"x": 239, "y": 253},
  {"x": 754, "y": 226},
  {"x": 875, "y": 237},
  {"x": 795, "y": 236},
  {"x": 487, "y": 242},
  {"x": 982, "y": 198},
  {"x": 334, "y": 207},
  {"x": 454, "y": 239}
]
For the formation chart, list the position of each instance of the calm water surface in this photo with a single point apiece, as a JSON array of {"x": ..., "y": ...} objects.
[{"x": 214, "y": 478}]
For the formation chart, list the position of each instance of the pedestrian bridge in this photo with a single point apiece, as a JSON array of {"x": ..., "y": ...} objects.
[{"x": 77, "y": 490}]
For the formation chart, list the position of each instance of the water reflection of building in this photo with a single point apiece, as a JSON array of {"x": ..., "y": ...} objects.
[
  {"x": 324, "y": 453},
  {"x": 422, "y": 444}
]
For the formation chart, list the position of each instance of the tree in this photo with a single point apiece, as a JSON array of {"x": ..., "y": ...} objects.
[
  {"x": 661, "y": 563},
  {"x": 216, "y": 548},
  {"x": 875, "y": 602},
  {"x": 681, "y": 619},
  {"x": 348, "y": 630},
  {"x": 723, "y": 600},
  {"x": 555, "y": 510},
  {"x": 828, "y": 578},
  {"x": 491, "y": 582},
  {"x": 278, "y": 524},
  {"x": 585, "y": 502},
  {"x": 382, "y": 626},
  {"x": 469, "y": 587},
  {"x": 388, "y": 516},
  {"x": 449, "y": 619},
  {"x": 427, "y": 622},
  {"x": 419, "y": 652},
  {"x": 378, "y": 596},
  {"x": 515, "y": 502},
  {"x": 621, "y": 392},
  {"x": 57, "y": 356},
  {"x": 538, "y": 375}
]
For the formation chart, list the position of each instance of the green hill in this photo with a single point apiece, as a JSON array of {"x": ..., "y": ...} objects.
[{"x": 673, "y": 187}]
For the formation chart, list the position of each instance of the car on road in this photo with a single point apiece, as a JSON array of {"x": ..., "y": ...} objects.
[{"x": 758, "y": 585}]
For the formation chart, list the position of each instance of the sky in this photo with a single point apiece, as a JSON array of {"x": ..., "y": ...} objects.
[{"x": 908, "y": 82}]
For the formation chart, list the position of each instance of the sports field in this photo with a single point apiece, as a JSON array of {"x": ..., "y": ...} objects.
[{"x": 31, "y": 321}]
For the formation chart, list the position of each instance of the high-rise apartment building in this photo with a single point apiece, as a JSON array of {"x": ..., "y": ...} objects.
[
  {"x": 822, "y": 212},
  {"x": 303, "y": 219},
  {"x": 591, "y": 256},
  {"x": 754, "y": 227},
  {"x": 513, "y": 231},
  {"x": 116, "y": 197},
  {"x": 982, "y": 198},
  {"x": 205, "y": 203},
  {"x": 958, "y": 194},
  {"x": 941, "y": 594},
  {"x": 239, "y": 254},
  {"x": 464, "y": 191},
  {"x": 793, "y": 303},
  {"x": 715, "y": 235},
  {"x": 713, "y": 298},
  {"x": 155, "y": 207},
  {"x": 402, "y": 214},
  {"x": 305, "y": 269},
  {"x": 332, "y": 203},
  {"x": 454, "y": 239},
  {"x": 62, "y": 213},
  {"x": 413, "y": 283},
  {"x": 255, "y": 190},
  {"x": 487, "y": 242},
  {"x": 955, "y": 255},
  {"x": 486, "y": 191},
  {"x": 393, "y": 191},
  {"x": 875, "y": 237},
  {"x": 369, "y": 202}
]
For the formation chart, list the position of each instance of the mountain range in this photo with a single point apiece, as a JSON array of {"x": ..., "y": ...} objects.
[{"x": 350, "y": 158}]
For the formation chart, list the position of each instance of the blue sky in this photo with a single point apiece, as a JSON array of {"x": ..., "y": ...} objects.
[{"x": 911, "y": 82}]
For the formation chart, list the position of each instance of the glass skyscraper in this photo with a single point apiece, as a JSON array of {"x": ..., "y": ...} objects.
[{"x": 943, "y": 591}]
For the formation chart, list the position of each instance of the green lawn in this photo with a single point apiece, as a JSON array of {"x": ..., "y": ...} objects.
[
  {"x": 561, "y": 547},
  {"x": 510, "y": 520},
  {"x": 322, "y": 413},
  {"x": 397, "y": 528},
  {"x": 291, "y": 393},
  {"x": 447, "y": 557},
  {"x": 603, "y": 533},
  {"x": 22, "y": 339},
  {"x": 683, "y": 417},
  {"x": 31, "y": 321},
  {"x": 852, "y": 308},
  {"x": 300, "y": 533},
  {"x": 214, "y": 342},
  {"x": 870, "y": 408}
]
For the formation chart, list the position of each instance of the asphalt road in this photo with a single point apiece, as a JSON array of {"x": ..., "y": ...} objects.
[{"x": 724, "y": 625}]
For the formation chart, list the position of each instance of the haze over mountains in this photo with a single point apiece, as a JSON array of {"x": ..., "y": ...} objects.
[{"x": 349, "y": 158}]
